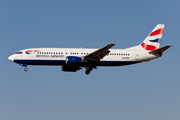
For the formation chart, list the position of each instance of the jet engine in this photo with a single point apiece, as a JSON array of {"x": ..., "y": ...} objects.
[{"x": 73, "y": 60}]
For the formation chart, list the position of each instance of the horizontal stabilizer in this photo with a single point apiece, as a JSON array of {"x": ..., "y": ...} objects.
[{"x": 160, "y": 50}]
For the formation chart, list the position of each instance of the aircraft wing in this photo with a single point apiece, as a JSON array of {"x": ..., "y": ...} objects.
[{"x": 99, "y": 54}]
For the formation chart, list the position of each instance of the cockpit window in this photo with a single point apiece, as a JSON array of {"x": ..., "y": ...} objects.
[{"x": 19, "y": 52}]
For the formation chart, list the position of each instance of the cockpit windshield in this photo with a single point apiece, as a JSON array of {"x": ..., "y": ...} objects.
[{"x": 19, "y": 52}]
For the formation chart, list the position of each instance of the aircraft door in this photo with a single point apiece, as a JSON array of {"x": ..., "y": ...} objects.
[
  {"x": 136, "y": 55},
  {"x": 21, "y": 56},
  {"x": 31, "y": 55}
]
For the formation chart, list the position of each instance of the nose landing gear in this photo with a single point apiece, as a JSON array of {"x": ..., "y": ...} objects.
[
  {"x": 25, "y": 69},
  {"x": 24, "y": 65}
]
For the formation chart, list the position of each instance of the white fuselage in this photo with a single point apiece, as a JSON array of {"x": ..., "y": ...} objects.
[{"x": 57, "y": 56}]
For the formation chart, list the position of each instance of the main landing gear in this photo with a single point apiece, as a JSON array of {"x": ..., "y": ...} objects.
[{"x": 88, "y": 70}]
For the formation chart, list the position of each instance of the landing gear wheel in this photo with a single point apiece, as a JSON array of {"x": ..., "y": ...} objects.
[
  {"x": 25, "y": 69},
  {"x": 87, "y": 72}
]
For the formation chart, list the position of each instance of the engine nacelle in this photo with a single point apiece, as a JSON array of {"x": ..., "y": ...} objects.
[
  {"x": 73, "y": 60},
  {"x": 70, "y": 68}
]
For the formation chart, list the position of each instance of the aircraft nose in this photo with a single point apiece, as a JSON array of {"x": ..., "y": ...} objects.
[{"x": 11, "y": 58}]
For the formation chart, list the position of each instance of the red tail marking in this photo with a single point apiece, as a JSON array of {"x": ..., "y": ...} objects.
[
  {"x": 159, "y": 31},
  {"x": 148, "y": 47}
]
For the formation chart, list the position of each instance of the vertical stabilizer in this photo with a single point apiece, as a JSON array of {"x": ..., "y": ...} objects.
[{"x": 152, "y": 41}]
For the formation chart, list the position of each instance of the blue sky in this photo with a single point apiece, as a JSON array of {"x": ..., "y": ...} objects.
[{"x": 142, "y": 91}]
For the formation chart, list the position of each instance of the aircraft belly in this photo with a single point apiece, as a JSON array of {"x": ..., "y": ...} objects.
[
  {"x": 41, "y": 62},
  {"x": 116, "y": 63}
]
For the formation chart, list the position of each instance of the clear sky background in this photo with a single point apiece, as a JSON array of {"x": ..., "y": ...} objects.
[{"x": 145, "y": 91}]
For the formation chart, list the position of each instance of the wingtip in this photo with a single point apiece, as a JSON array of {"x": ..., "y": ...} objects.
[
  {"x": 169, "y": 46},
  {"x": 112, "y": 44}
]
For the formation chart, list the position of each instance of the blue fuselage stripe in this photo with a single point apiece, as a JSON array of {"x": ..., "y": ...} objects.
[{"x": 63, "y": 62}]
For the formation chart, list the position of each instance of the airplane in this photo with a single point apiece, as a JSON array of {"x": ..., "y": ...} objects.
[{"x": 74, "y": 59}]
